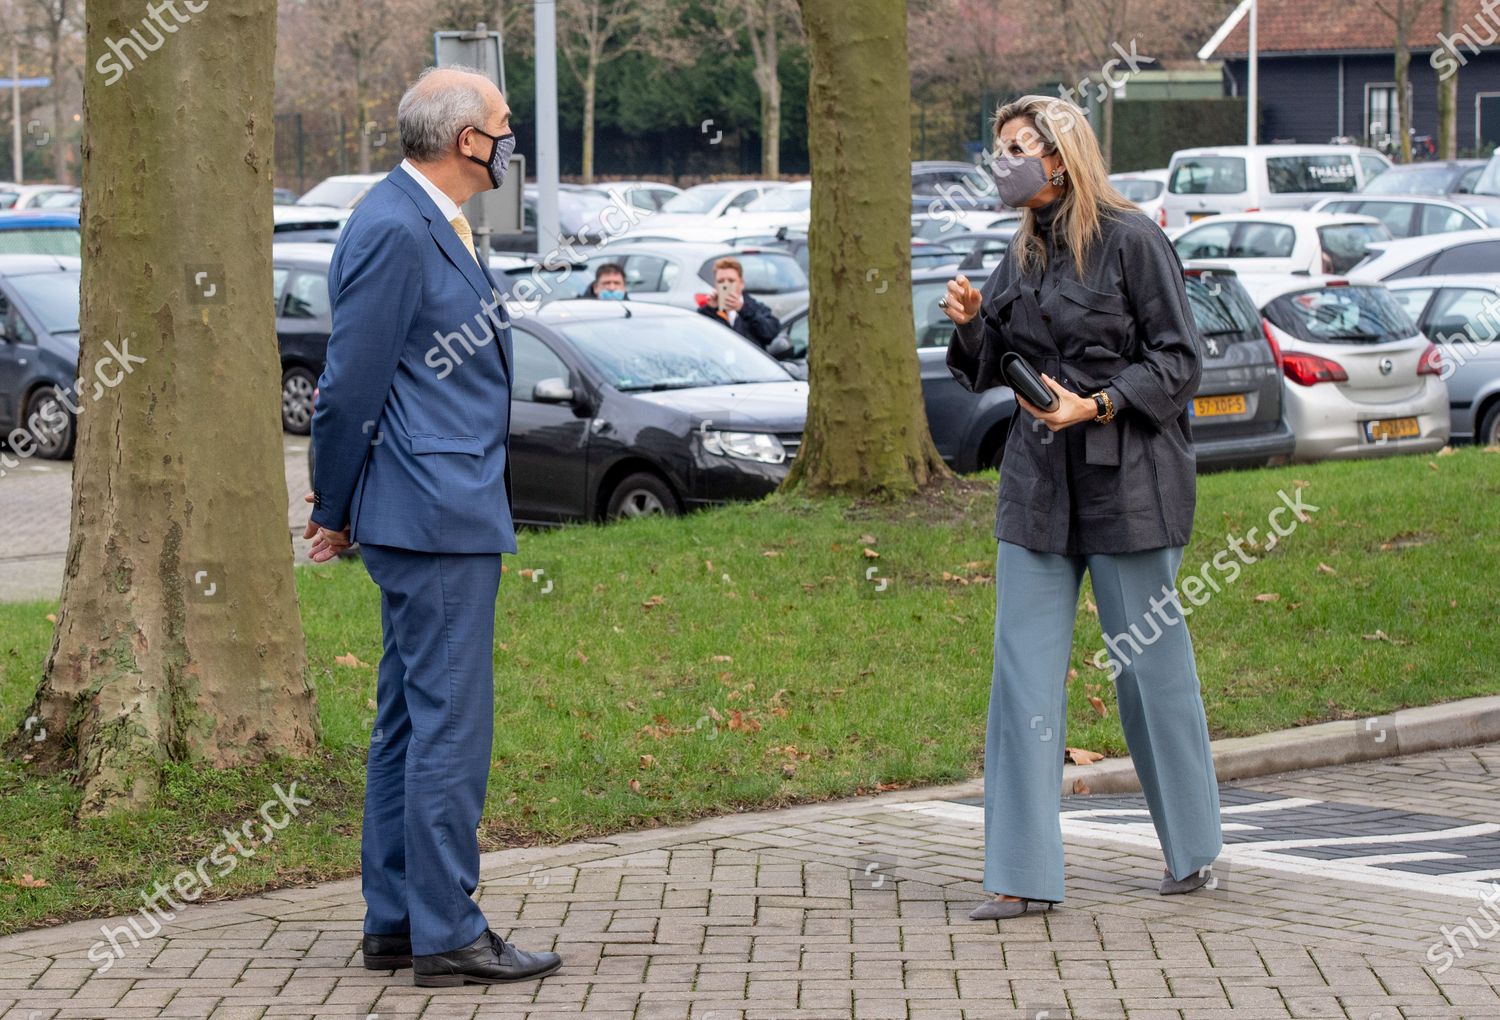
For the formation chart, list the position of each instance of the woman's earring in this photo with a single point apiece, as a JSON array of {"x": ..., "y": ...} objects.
[{"x": 1056, "y": 177}]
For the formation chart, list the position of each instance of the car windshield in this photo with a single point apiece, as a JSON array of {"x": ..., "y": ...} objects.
[
  {"x": 41, "y": 241},
  {"x": 701, "y": 199},
  {"x": 1422, "y": 180},
  {"x": 1208, "y": 175},
  {"x": 1220, "y": 305},
  {"x": 1139, "y": 189},
  {"x": 340, "y": 194},
  {"x": 51, "y": 297},
  {"x": 783, "y": 200},
  {"x": 1346, "y": 245},
  {"x": 1341, "y": 314},
  {"x": 1332, "y": 172},
  {"x": 646, "y": 353}
]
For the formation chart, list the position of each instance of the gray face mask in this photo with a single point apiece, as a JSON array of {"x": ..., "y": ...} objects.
[{"x": 1018, "y": 178}]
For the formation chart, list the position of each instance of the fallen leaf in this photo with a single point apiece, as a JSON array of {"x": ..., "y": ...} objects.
[
  {"x": 721, "y": 658},
  {"x": 370, "y": 704},
  {"x": 1299, "y": 483},
  {"x": 771, "y": 552},
  {"x": 654, "y": 600},
  {"x": 868, "y": 540},
  {"x": 1324, "y": 568},
  {"x": 1080, "y": 756},
  {"x": 351, "y": 661},
  {"x": 871, "y": 554},
  {"x": 51, "y": 617},
  {"x": 1269, "y": 596},
  {"x": 789, "y": 770},
  {"x": 635, "y": 786},
  {"x": 1100, "y": 706},
  {"x": 581, "y": 657},
  {"x": 1079, "y": 786},
  {"x": 1447, "y": 451},
  {"x": 1091, "y": 606},
  {"x": 647, "y": 760},
  {"x": 1072, "y": 675},
  {"x": 1432, "y": 464},
  {"x": 28, "y": 881}
]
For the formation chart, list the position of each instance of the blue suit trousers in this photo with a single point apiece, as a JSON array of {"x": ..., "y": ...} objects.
[
  {"x": 431, "y": 745},
  {"x": 1161, "y": 710}
]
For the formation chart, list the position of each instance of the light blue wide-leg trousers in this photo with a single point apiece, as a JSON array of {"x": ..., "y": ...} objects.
[{"x": 1161, "y": 710}]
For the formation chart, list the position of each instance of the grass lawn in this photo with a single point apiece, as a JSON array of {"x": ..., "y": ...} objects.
[{"x": 746, "y": 657}]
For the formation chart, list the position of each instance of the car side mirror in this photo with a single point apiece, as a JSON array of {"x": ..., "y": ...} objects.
[
  {"x": 552, "y": 391},
  {"x": 781, "y": 348}
]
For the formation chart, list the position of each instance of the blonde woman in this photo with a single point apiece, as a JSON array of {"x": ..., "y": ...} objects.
[{"x": 1091, "y": 296}]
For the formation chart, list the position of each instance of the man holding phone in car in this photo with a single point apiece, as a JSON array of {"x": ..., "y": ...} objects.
[{"x": 738, "y": 310}]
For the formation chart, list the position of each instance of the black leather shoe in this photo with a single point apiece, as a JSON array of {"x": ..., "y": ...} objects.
[
  {"x": 386, "y": 952},
  {"x": 489, "y": 960}
]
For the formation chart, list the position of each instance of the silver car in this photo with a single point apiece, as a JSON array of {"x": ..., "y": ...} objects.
[
  {"x": 1462, "y": 314},
  {"x": 1361, "y": 380}
]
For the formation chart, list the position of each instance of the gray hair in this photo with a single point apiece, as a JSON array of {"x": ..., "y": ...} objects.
[{"x": 431, "y": 116}]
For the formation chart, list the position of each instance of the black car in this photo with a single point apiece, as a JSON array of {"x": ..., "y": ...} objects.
[
  {"x": 626, "y": 409},
  {"x": 304, "y": 318},
  {"x": 39, "y": 353},
  {"x": 940, "y": 184},
  {"x": 1237, "y": 419}
]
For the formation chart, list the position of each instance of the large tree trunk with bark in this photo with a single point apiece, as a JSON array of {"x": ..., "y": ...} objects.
[
  {"x": 178, "y": 638},
  {"x": 867, "y": 427}
]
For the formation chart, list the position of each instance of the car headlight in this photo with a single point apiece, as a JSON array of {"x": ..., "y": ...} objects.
[{"x": 757, "y": 446}]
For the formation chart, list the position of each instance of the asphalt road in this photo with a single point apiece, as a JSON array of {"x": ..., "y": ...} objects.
[{"x": 35, "y": 501}]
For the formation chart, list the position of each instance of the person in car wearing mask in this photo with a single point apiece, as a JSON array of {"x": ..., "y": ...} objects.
[
  {"x": 609, "y": 283},
  {"x": 1091, "y": 296}
]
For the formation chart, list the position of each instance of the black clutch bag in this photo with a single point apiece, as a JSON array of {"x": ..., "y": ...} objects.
[{"x": 1021, "y": 377}]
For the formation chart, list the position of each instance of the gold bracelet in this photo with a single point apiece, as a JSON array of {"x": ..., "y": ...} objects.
[{"x": 1109, "y": 408}]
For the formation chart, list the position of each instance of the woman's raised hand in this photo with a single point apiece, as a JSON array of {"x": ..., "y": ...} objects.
[{"x": 962, "y": 301}]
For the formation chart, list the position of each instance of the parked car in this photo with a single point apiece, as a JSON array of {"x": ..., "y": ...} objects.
[
  {"x": 1362, "y": 381},
  {"x": 304, "y": 320},
  {"x": 32, "y": 196},
  {"x": 1283, "y": 241},
  {"x": 342, "y": 191},
  {"x": 307, "y": 222},
  {"x": 283, "y": 196},
  {"x": 626, "y": 410},
  {"x": 1462, "y": 251},
  {"x": 1251, "y": 178},
  {"x": 1237, "y": 414},
  {"x": 69, "y": 199},
  {"x": 681, "y": 274},
  {"x": 1454, "y": 177},
  {"x": 1461, "y": 314},
  {"x": 945, "y": 223},
  {"x": 1146, "y": 188},
  {"x": 784, "y": 208},
  {"x": 580, "y": 217},
  {"x": 794, "y": 242},
  {"x": 39, "y": 351},
  {"x": 40, "y": 232},
  {"x": 958, "y": 187},
  {"x": 981, "y": 250},
  {"x": 649, "y": 196},
  {"x": 699, "y": 207},
  {"x": 1407, "y": 217}
]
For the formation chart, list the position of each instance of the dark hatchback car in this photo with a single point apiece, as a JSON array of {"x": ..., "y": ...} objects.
[
  {"x": 626, "y": 409},
  {"x": 39, "y": 351},
  {"x": 304, "y": 318},
  {"x": 1237, "y": 420}
]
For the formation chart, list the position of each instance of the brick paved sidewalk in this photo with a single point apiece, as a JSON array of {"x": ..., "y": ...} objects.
[{"x": 1337, "y": 888}]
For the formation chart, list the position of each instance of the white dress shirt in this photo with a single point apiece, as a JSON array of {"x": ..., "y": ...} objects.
[{"x": 445, "y": 205}]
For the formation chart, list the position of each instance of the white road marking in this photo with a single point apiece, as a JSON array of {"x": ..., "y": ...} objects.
[{"x": 1264, "y": 855}]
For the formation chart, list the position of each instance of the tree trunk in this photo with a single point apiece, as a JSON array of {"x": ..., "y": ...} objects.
[
  {"x": 1108, "y": 141},
  {"x": 1447, "y": 97},
  {"x": 866, "y": 424},
  {"x": 590, "y": 90},
  {"x": 1403, "y": 94},
  {"x": 59, "y": 150},
  {"x": 362, "y": 111},
  {"x": 768, "y": 79},
  {"x": 178, "y": 638}
]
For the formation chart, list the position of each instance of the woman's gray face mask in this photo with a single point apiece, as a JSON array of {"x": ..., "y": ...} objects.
[{"x": 1019, "y": 178}]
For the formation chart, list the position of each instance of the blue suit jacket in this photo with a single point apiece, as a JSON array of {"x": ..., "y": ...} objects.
[{"x": 413, "y": 417}]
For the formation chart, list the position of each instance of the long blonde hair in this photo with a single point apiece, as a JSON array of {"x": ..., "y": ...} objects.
[{"x": 1064, "y": 129}]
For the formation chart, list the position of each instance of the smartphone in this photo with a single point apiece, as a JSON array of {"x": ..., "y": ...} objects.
[{"x": 725, "y": 290}]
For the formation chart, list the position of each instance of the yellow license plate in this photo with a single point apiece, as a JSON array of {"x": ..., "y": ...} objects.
[
  {"x": 1391, "y": 428},
  {"x": 1194, "y": 217},
  {"x": 1229, "y": 403}
]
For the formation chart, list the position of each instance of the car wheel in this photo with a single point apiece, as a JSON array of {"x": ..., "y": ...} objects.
[
  {"x": 1489, "y": 427},
  {"x": 297, "y": 385},
  {"x": 55, "y": 430},
  {"x": 642, "y": 495}
]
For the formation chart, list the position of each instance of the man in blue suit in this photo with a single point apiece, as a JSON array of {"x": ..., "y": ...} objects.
[{"x": 410, "y": 441}]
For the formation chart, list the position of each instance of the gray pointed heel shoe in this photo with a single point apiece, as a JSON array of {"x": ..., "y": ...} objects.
[
  {"x": 998, "y": 910},
  {"x": 1177, "y": 886}
]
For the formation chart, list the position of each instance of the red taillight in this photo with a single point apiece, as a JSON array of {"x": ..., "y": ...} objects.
[
  {"x": 1265, "y": 327},
  {"x": 1161, "y": 216},
  {"x": 1253, "y": 208},
  {"x": 1432, "y": 361},
  {"x": 703, "y": 299},
  {"x": 1310, "y": 369}
]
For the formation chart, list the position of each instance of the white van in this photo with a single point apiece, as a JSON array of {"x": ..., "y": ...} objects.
[{"x": 1249, "y": 178}]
